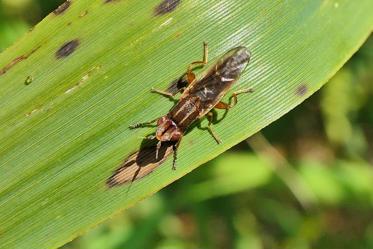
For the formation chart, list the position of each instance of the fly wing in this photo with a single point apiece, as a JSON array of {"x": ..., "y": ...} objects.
[{"x": 219, "y": 78}]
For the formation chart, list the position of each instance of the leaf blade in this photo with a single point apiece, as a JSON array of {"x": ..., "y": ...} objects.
[{"x": 63, "y": 134}]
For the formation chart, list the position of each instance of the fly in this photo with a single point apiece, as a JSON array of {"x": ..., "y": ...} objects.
[{"x": 200, "y": 96}]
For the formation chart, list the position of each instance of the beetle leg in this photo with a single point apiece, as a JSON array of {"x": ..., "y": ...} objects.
[
  {"x": 232, "y": 99},
  {"x": 139, "y": 125},
  {"x": 209, "y": 116}
]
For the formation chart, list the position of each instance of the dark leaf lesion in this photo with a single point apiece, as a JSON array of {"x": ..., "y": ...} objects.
[
  {"x": 302, "y": 90},
  {"x": 111, "y": 1},
  {"x": 62, "y": 8},
  {"x": 16, "y": 60},
  {"x": 166, "y": 6},
  {"x": 67, "y": 48}
]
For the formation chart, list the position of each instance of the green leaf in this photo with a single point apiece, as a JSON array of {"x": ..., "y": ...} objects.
[{"x": 70, "y": 88}]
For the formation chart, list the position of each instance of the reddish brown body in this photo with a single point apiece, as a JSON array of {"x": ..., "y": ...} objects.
[{"x": 201, "y": 96}]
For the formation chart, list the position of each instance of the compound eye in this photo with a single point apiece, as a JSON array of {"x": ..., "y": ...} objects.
[
  {"x": 176, "y": 135},
  {"x": 161, "y": 121}
]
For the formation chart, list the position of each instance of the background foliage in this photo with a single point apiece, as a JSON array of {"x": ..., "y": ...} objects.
[{"x": 309, "y": 184}]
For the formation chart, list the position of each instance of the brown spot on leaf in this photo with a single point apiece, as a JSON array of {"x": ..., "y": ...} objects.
[
  {"x": 166, "y": 6},
  {"x": 62, "y": 8},
  {"x": 67, "y": 49},
  {"x": 84, "y": 13},
  {"x": 110, "y": 1},
  {"x": 29, "y": 80},
  {"x": 302, "y": 90},
  {"x": 15, "y": 61},
  {"x": 140, "y": 164}
]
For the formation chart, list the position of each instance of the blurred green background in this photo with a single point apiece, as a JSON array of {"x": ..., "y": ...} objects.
[{"x": 306, "y": 181}]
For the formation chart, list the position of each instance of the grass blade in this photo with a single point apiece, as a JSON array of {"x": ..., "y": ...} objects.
[{"x": 70, "y": 88}]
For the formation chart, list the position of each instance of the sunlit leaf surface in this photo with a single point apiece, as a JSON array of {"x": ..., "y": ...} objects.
[{"x": 70, "y": 88}]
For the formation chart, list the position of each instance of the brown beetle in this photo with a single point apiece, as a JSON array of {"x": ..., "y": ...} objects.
[{"x": 200, "y": 96}]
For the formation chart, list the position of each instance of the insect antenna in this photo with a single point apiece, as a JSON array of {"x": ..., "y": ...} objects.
[{"x": 174, "y": 148}]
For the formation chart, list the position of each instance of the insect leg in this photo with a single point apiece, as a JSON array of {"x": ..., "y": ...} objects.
[
  {"x": 232, "y": 99},
  {"x": 149, "y": 137},
  {"x": 139, "y": 125},
  {"x": 186, "y": 78},
  {"x": 176, "y": 87},
  {"x": 157, "y": 149},
  {"x": 200, "y": 63},
  {"x": 209, "y": 116},
  {"x": 164, "y": 93},
  {"x": 190, "y": 75}
]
